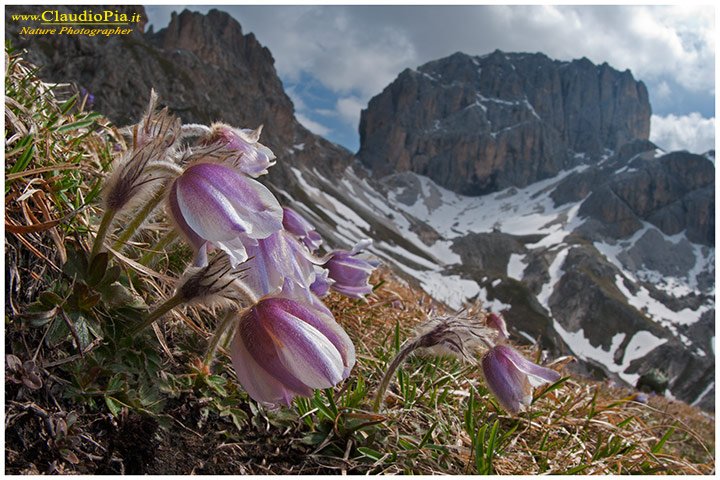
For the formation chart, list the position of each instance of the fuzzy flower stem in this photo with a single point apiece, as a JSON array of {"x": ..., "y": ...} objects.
[
  {"x": 195, "y": 130},
  {"x": 132, "y": 227},
  {"x": 159, "y": 247},
  {"x": 402, "y": 355},
  {"x": 157, "y": 313},
  {"x": 102, "y": 232},
  {"x": 228, "y": 320}
]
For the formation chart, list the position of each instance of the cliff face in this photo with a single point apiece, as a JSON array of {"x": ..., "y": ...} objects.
[
  {"x": 480, "y": 124},
  {"x": 674, "y": 192},
  {"x": 204, "y": 68}
]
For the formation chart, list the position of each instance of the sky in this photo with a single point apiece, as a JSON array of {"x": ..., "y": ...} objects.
[{"x": 333, "y": 59}]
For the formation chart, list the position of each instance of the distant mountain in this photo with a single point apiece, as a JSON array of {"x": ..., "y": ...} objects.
[
  {"x": 480, "y": 124},
  {"x": 514, "y": 179}
]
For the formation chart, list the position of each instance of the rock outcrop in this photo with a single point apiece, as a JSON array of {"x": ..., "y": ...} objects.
[
  {"x": 480, "y": 124},
  {"x": 675, "y": 192}
]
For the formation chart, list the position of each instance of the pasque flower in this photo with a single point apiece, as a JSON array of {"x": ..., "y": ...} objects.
[
  {"x": 250, "y": 156},
  {"x": 301, "y": 228},
  {"x": 284, "y": 347},
  {"x": 511, "y": 377},
  {"x": 497, "y": 322},
  {"x": 350, "y": 273},
  {"x": 277, "y": 259},
  {"x": 215, "y": 204}
]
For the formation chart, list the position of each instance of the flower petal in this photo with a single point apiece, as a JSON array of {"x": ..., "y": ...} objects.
[
  {"x": 537, "y": 375},
  {"x": 264, "y": 348},
  {"x": 176, "y": 214},
  {"x": 510, "y": 385},
  {"x": 258, "y": 383},
  {"x": 250, "y": 199},
  {"x": 206, "y": 210},
  {"x": 307, "y": 353},
  {"x": 277, "y": 258}
]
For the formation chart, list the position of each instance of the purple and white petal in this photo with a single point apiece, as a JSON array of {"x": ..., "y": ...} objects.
[
  {"x": 322, "y": 283},
  {"x": 277, "y": 258},
  {"x": 537, "y": 375},
  {"x": 509, "y": 385},
  {"x": 301, "y": 228},
  {"x": 251, "y": 200},
  {"x": 306, "y": 352},
  {"x": 350, "y": 273},
  {"x": 258, "y": 383}
]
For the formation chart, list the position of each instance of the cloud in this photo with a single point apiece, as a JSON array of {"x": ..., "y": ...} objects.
[
  {"x": 687, "y": 132},
  {"x": 663, "y": 90},
  {"x": 315, "y": 127},
  {"x": 348, "y": 110}
]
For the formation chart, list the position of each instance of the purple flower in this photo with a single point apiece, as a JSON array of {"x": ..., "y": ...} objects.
[
  {"x": 350, "y": 273},
  {"x": 284, "y": 348},
  {"x": 277, "y": 259},
  {"x": 511, "y": 377},
  {"x": 301, "y": 228},
  {"x": 215, "y": 204},
  {"x": 322, "y": 283},
  {"x": 497, "y": 322},
  {"x": 251, "y": 157}
]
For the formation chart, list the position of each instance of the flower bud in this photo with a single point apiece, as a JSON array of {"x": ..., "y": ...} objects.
[
  {"x": 284, "y": 348},
  {"x": 511, "y": 377}
]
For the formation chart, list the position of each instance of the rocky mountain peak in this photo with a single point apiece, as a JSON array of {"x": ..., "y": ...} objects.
[
  {"x": 217, "y": 38},
  {"x": 477, "y": 124}
]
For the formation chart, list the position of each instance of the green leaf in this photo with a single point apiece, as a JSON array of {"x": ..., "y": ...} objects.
[
  {"x": 50, "y": 299},
  {"x": 24, "y": 160},
  {"x": 314, "y": 438},
  {"x": 239, "y": 417},
  {"x": 428, "y": 435},
  {"x": 83, "y": 331},
  {"x": 111, "y": 276},
  {"x": 98, "y": 268},
  {"x": 217, "y": 383},
  {"x": 370, "y": 453},
  {"x": 318, "y": 402},
  {"x": 57, "y": 332},
  {"x": 117, "y": 295},
  {"x": 577, "y": 469},
  {"x": 116, "y": 383},
  {"x": 76, "y": 125},
  {"x": 114, "y": 405},
  {"x": 77, "y": 263},
  {"x": 658, "y": 446},
  {"x": 68, "y": 104}
]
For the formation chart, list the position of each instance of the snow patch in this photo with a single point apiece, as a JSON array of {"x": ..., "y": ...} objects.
[{"x": 516, "y": 266}]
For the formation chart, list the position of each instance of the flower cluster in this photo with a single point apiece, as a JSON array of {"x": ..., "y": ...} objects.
[{"x": 248, "y": 251}]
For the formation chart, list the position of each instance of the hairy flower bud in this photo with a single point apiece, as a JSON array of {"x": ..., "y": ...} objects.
[
  {"x": 250, "y": 156},
  {"x": 212, "y": 284},
  {"x": 497, "y": 322}
]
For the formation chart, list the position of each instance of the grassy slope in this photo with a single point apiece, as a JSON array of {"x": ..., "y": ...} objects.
[{"x": 64, "y": 413}]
